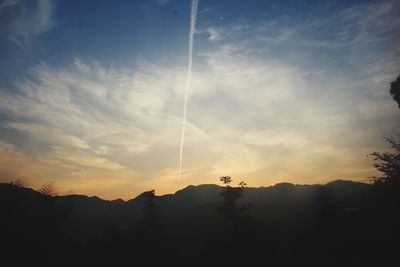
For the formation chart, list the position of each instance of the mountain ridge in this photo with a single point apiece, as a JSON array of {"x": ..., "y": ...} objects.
[{"x": 193, "y": 188}]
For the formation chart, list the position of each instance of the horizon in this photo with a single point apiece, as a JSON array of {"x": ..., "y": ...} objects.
[
  {"x": 66, "y": 194},
  {"x": 92, "y": 94}
]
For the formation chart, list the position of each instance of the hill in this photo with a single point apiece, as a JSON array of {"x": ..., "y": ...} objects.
[{"x": 285, "y": 223}]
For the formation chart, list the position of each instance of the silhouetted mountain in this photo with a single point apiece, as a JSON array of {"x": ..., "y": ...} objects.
[
  {"x": 287, "y": 222},
  {"x": 192, "y": 195},
  {"x": 282, "y": 202}
]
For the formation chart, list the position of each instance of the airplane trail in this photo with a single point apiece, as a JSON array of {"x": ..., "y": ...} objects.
[{"x": 188, "y": 81}]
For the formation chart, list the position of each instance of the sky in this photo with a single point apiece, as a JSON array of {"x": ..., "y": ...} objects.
[{"x": 91, "y": 92}]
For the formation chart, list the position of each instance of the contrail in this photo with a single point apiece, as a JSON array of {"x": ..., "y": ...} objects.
[{"x": 188, "y": 80}]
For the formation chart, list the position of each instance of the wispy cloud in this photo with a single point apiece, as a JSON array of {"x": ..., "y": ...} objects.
[
  {"x": 22, "y": 20},
  {"x": 163, "y": 2},
  {"x": 263, "y": 107},
  {"x": 372, "y": 25},
  {"x": 91, "y": 120},
  {"x": 213, "y": 34},
  {"x": 8, "y": 3}
]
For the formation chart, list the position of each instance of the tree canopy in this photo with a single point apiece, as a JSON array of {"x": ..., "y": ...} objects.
[{"x": 395, "y": 90}]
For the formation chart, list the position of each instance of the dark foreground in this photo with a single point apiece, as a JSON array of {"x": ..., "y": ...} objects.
[{"x": 339, "y": 224}]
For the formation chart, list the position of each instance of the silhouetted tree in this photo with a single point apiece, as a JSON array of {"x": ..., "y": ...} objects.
[
  {"x": 237, "y": 233},
  {"x": 384, "y": 211},
  {"x": 149, "y": 211},
  {"x": 48, "y": 189},
  {"x": 229, "y": 207},
  {"x": 388, "y": 163},
  {"x": 49, "y": 221},
  {"x": 395, "y": 90},
  {"x": 226, "y": 180},
  {"x": 151, "y": 229},
  {"x": 18, "y": 183}
]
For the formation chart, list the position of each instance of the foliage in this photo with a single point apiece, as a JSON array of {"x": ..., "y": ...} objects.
[
  {"x": 48, "y": 189},
  {"x": 225, "y": 180},
  {"x": 19, "y": 183},
  {"x": 149, "y": 234},
  {"x": 229, "y": 207},
  {"x": 395, "y": 90},
  {"x": 388, "y": 163},
  {"x": 149, "y": 211}
]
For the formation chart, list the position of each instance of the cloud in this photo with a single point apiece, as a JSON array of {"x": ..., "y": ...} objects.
[
  {"x": 213, "y": 34},
  {"x": 262, "y": 107},
  {"x": 205, "y": 10},
  {"x": 246, "y": 115},
  {"x": 163, "y": 2},
  {"x": 87, "y": 119},
  {"x": 354, "y": 34},
  {"x": 8, "y": 3},
  {"x": 22, "y": 20}
]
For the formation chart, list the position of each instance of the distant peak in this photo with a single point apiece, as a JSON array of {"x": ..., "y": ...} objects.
[
  {"x": 339, "y": 182},
  {"x": 200, "y": 186},
  {"x": 283, "y": 185}
]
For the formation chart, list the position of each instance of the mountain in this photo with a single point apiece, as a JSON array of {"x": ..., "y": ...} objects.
[
  {"x": 285, "y": 223},
  {"x": 280, "y": 203},
  {"x": 341, "y": 192}
]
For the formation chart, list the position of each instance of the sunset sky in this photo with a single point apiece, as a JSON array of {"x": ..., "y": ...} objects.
[{"x": 91, "y": 92}]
